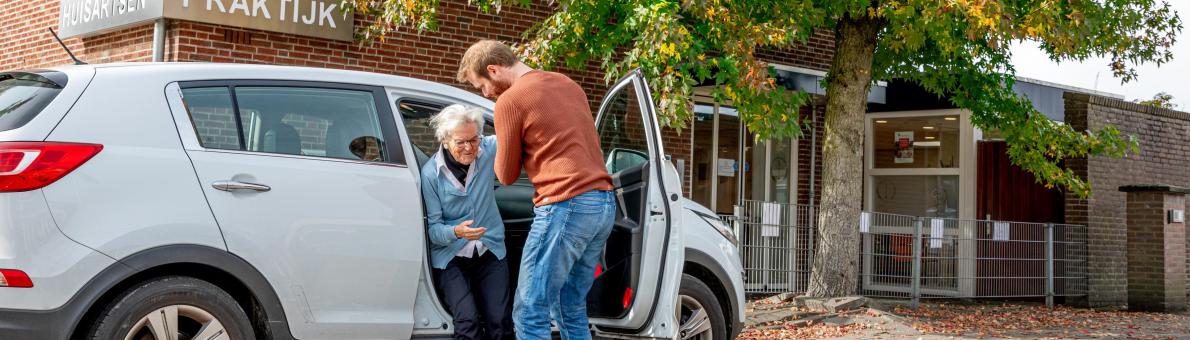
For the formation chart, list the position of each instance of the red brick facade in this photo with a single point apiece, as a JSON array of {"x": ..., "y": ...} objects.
[{"x": 427, "y": 55}]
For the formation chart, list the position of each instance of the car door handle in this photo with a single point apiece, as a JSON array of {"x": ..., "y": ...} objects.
[{"x": 233, "y": 185}]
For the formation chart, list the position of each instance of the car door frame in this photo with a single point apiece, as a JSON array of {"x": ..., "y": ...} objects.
[
  {"x": 653, "y": 324},
  {"x": 441, "y": 317}
]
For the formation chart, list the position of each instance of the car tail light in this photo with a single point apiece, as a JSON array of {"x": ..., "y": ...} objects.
[
  {"x": 14, "y": 278},
  {"x": 598, "y": 270},
  {"x": 28, "y": 166},
  {"x": 627, "y": 297}
]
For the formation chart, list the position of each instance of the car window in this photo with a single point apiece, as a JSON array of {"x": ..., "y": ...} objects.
[
  {"x": 213, "y": 117},
  {"x": 23, "y": 96},
  {"x": 320, "y": 122},
  {"x": 416, "y": 114},
  {"x": 622, "y": 132}
]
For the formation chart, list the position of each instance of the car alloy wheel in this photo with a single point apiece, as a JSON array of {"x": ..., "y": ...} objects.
[
  {"x": 693, "y": 319},
  {"x": 178, "y": 322}
]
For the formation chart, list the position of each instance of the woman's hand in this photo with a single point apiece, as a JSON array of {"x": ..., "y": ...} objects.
[{"x": 464, "y": 230}]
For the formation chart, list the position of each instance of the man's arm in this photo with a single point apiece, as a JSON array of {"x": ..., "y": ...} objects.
[{"x": 509, "y": 127}]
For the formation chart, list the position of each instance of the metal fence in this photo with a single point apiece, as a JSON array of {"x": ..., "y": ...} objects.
[
  {"x": 952, "y": 258},
  {"x": 776, "y": 245}
]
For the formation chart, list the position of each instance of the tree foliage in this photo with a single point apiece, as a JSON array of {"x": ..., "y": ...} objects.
[
  {"x": 1160, "y": 100},
  {"x": 958, "y": 49}
]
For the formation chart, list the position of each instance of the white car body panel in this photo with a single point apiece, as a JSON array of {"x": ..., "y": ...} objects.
[
  {"x": 140, "y": 191},
  {"x": 29, "y": 240}
]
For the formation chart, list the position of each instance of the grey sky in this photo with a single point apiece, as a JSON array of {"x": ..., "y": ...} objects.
[{"x": 1095, "y": 74}]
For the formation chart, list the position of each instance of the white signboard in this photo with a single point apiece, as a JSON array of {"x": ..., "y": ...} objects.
[
  {"x": 770, "y": 218},
  {"x": 726, "y": 167},
  {"x": 315, "y": 18},
  {"x": 80, "y": 17},
  {"x": 936, "y": 233},
  {"x": 865, "y": 221},
  {"x": 1000, "y": 231}
]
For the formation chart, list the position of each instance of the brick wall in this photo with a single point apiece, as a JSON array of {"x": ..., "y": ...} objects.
[
  {"x": 26, "y": 41},
  {"x": 1156, "y": 251},
  {"x": 1164, "y": 157},
  {"x": 815, "y": 54},
  {"x": 426, "y": 55}
]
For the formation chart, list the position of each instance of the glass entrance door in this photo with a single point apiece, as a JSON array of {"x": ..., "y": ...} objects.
[{"x": 728, "y": 166}]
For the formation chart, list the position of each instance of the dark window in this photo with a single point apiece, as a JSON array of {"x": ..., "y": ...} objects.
[
  {"x": 416, "y": 116},
  {"x": 213, "y": 116},
  {"x": 24, "y": 95},
  {"x": 320, "y": 122}
]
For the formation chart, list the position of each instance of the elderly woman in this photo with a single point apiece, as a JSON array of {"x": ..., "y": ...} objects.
[{"x": 466, "y": 232}]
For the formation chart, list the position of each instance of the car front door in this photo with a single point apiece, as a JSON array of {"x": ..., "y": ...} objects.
[
  {"x": 309, "y": 184},
  {"x": 637, "y": 280}
]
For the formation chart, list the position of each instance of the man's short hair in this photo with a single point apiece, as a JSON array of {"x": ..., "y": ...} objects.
[{"x": 482, "y": 54}]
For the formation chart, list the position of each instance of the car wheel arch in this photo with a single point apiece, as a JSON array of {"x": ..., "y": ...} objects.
[
  {"x": 226, "y": 270},
  {"x": 705, "y": 269}
]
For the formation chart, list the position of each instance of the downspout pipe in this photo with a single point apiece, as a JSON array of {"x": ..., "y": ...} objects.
[
  {"x": 813, "y": 151},
  {"x": 159, "y": 28}
]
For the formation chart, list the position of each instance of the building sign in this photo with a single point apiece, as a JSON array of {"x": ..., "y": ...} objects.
[
  {"x": 314, "y": 18},
  {"x": 726, "y": 167},
  {"x": 81, "y": 17}
]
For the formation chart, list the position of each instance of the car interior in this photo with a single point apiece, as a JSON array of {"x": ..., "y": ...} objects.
[
  {"x": 289, "y": 120},
  {"x": 617, "y": 274}
]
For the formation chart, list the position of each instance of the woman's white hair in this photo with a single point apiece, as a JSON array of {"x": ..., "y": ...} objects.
[{"x": 451, "y": 117}]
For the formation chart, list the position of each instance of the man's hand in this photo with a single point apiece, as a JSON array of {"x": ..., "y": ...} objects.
[{"x": 464, "y": 230}]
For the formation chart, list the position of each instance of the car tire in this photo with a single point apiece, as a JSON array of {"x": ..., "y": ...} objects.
[
  {"x": 185, "y": 306},
  {"x": 699, "y": 314}
]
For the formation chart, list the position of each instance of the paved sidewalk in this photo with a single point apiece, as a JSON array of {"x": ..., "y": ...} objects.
[{"x": 784, "y": 319}]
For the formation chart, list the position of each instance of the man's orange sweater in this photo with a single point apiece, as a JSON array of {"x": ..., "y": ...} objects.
[{"x": 543, "y": 121}]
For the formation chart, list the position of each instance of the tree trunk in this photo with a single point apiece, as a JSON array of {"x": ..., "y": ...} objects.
[{"x": 836, "y": 263}]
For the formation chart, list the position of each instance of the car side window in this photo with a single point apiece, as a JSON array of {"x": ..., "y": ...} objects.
[
  {"x": 213, "y": 116},
  {"x": 622, "y": 132},
  {"x": 319, "y": 122},
  {"x": 416, "y": 115}
]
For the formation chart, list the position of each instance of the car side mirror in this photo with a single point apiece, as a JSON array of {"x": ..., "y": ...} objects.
[
  {"x": 366, "y": 148},
  {"x": 622, "y": 159}
]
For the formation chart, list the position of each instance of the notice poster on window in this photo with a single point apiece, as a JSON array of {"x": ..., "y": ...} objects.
[
  {"x": 726, "y": 167},
  {"x": 1000, "y": 231},
  {"x": 935, "y": 233},
  {"x": 865, "y": 221},
  {"x": 904, "y": 147},
  {"x": 770, "y": 218}
]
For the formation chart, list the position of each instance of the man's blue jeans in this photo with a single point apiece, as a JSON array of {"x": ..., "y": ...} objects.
[{"x": 558, "y": 265}]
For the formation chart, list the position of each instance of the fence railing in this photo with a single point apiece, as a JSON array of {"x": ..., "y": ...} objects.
[
  {"x": 951, "y": 258},
  {"x": 777, "y": 245}
]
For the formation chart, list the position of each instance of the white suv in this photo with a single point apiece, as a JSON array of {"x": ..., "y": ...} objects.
[{"x": 221, "y": 201}]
